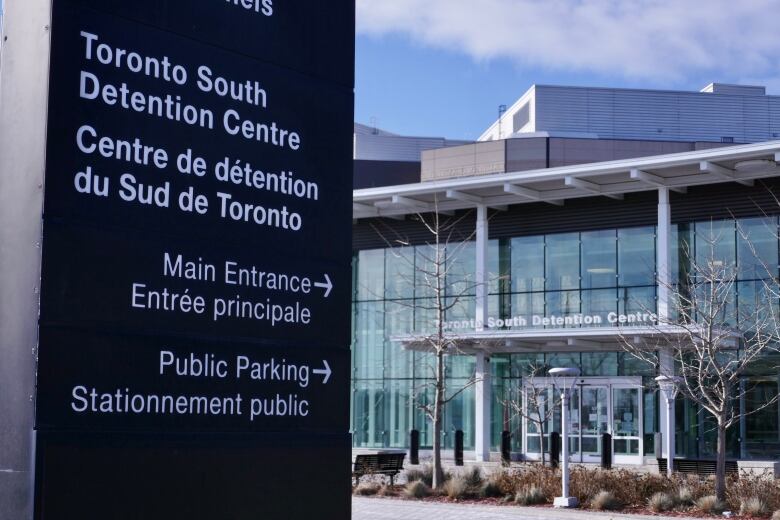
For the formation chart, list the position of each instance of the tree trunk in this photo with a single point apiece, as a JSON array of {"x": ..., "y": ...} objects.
[
  {"x": 720, "y": 469},
  {"x": 438, "y": 473},
  {"x": 540, "y": 427}
]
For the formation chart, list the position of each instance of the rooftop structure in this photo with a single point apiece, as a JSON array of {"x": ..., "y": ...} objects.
[{"x": 718, "y": 113}]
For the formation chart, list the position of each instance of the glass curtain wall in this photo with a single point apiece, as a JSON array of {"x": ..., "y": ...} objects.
[
  {"x": 594, "y": 275},
  {"x": 748, "y": 248},
  {"x": 532, "y": 277}
]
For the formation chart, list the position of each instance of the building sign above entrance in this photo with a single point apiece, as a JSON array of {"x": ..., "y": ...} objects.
[{"x": 552, "y": 321}]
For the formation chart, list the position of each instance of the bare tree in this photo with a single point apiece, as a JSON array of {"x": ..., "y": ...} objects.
[
  {"x": 437, "y": 271},
  {"x": 536, "y": 402},
  {"x": 713, "y": 341}
]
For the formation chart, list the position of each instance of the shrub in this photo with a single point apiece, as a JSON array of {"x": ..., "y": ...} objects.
[
  {"x": 387, "y": 491},
  {"x": 685, "y": 496},
  {"x": 605, "y": 501},
  {"x": 416, "y": 489},
  {"x": 751, "y": 485},
  {"x": 628, "y": 487},
  {"x": 366, "y": 489},
  {"x": 546, "y": 479},
  {"x": 473, "y": 477},
  {"x": 415, "y": 475},
  {"x": 753, "y": 506},
  {"x": 457, "y": 487},
  {"x": 710, "y": 505},
  {"x": 491, "y": 489},
  {"x": 661, "y": 502},
  {"x": 424, "y": 475},
  {"x": 529, "y": 496}
]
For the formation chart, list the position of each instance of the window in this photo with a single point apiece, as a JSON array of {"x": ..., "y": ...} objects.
[
  {"x": 757, "y": 248},
  {"x": 636, "y": 256},
  {"x": 527, "y": 264},
  {"x": 599, "y": 262},
  {"x": 521, "y": 118},
  {"x": 563, "y": 262}
]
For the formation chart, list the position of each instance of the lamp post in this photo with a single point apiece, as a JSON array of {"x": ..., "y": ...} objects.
[
  {"x": 562, "y": 374},
  {"x": 669, "y": 389}
]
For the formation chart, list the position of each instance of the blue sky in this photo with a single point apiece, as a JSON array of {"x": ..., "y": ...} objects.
[{"x": 442, "y": 67}]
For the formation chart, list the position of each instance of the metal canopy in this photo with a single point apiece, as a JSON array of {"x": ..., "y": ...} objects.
[
  {"x": 742, "y": 164},
  {"x": 593, "y": 339},
  {"x": 537, "y": 340}
]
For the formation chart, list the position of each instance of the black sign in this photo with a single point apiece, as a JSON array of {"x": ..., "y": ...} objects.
[
  {"x": 135, "y": 282},
  {"x": 228, "y": 149},
  {"x": 196, "y": 258},
  {"x": 188, "y": 385},
  {"x": 172, "y": 477}
]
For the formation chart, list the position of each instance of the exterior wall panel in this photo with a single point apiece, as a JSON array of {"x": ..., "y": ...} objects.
[{"x": 741, "y": 114}]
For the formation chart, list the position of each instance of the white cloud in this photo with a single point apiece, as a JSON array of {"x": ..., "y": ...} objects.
[{"x": 659, "y": 40}]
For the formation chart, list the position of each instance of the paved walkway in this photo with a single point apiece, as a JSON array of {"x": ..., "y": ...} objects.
[{"x": 393, "y": 509}]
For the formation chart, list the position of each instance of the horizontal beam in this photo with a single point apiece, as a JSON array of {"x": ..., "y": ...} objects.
[
  {"x": 723, "y": 172},
  {"x": 464, "y": 197},
  {"x": 528, "y": 193},
  {"x": 591, "y": 187},
  {"x": 655, "y": 180},
  {"x": 412, "y": 203},
  {"x": 364, "y": 208},
  {"x": 577, "y": 342},
  {"x": 473, "y": 199}
]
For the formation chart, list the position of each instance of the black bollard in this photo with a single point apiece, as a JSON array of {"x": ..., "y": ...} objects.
[
  {"x": 459, "y": 447},
  {"x": 555, "y": 449},
  {"x": 606, "y": 451},
  {"x": 506, "y": 447},
  {"x": 414, "y": 447}
]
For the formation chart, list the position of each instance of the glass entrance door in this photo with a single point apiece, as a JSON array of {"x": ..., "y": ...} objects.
[
  {"x": 594, "y": 421},
  {"x": 626, "y": 425},
  {"x": 597, "y": 406}
]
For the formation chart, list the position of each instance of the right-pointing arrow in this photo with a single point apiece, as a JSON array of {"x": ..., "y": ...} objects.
[
  {"x": 327, "y": 285},
  {"x": 324, "y": 371}
]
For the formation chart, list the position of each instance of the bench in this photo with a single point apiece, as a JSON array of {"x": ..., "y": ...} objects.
[{"x": 389, "y": 464}]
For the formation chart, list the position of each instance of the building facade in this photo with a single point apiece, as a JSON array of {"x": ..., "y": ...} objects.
[{"x": 551, "y": 264}]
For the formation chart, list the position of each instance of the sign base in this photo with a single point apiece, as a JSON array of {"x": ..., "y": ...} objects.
[{"x": 129, "y": 476}]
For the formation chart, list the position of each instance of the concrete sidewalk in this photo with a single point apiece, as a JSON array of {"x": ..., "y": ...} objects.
[{"x": 396, "y": 509}]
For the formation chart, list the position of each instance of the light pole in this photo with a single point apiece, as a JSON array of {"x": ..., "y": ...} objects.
[
  {"x": 669, "y": 388},
  {"x": 566, "y": 377}
]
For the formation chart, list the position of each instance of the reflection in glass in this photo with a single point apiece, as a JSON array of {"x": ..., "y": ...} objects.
[
  {"x": 625, "y": 420},
  {"x": 757, "y": 248},
  {"x": 563, "y": 261},
  {"x": 528, "y": 305},
  {"x": 399, "y": 273},
  {"x": 599, "y": 259},
  {"x": 369, "y": 340},
  {"x": 527, "y": 264},
  {"x": 599, "y": 303},
  {"x": 636, "y": 256},
  {"x": 371, "y": 275},
  {"x": 716, "y": 244},
  {"x": 562, "y": 303}
]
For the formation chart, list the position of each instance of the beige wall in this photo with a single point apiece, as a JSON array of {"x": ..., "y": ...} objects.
[{"x": 464, "y": 161}]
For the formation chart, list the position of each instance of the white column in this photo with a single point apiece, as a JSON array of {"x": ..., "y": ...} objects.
[
  {"x": 663, "y": 247},
  {"x": 484, "y": 395},
  {"x": 666, "y": 361},
  {"x": 481, "y": 279},
  {"x": 484, "y": 387}
]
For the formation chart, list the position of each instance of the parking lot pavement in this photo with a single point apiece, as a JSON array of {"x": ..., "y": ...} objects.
[{"x": 394, "y": 509}]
